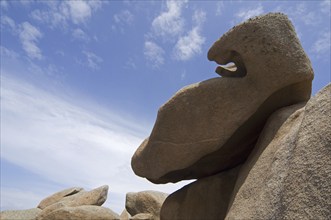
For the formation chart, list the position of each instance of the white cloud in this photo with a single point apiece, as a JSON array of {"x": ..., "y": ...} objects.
[
  {"x": 59, "y": 13},
  {"x": 79, "y": 34},
  {"x": 154, "y": 54},
  {"x": 93, "y": 61},
  {"x": 189, "y": 45},
  {"x": 322, "y": 44},
  {"x": 69, "y": 143},
  {"x": 170, "y": 22},
  {"x": 29, "y": 36},
  {"x": 124, "y": 17},
  {"x": 247, "y": 13}
]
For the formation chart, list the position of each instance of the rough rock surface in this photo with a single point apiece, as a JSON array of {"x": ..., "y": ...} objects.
[
  {"x": 94, "y": 197},
  {"x": 213, "y": 125},
  {"x": 143, "y": 216},
  {"x": 288, "y": 174},
  {"x": 83, "y": 212},
  {"x": 149, "y": 202},
  {"x": 28, "y": 214},
  {"x": 205, "y": 198},
  {"x": 58, "y": 196},
  {"x": 125, "y": 215}
]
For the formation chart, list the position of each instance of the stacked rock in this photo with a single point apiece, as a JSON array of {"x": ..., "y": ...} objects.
[
  {"x": 248, "y": 137},
  {"x": 70, "y": 204}
]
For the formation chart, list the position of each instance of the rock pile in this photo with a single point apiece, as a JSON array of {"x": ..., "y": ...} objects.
[
  {"x": 77, "y": 204},
  {"x": 71, "y": 204},
  {"x": 256, "y": 147}
]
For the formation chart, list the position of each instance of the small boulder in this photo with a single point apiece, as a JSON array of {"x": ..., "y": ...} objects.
[
  {"x": 58, "y": 196},
  {"x": 145, "y": 202},
  {"x": 94, "y": 197}
]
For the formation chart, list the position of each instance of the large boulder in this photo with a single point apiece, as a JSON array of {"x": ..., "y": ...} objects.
[
  {"x": 94, "y": 197},
  {"x": 288, "y": 174},
  {"x": 148, "y": 202},
  {"x": 28, "y": 214},
  {"x": 58, "y": 196},
  {"x": 206, "y": 198},
  {"x": 82, "y": 212},
  {"x": 213, "y": 125}
]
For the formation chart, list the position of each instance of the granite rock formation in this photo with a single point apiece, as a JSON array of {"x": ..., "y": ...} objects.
[
  {"x": 257, "y": 143},
  {"x": 288, "y": 175},
  {"x": 213, "y": 125}
]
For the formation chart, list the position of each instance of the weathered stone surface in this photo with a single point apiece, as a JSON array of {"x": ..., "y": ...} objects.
[
  {"x": 288, "y": 174},
  {"x": 145, "y": 202},
  {"x": 212, "y": 126},
  {"x": 94, "y": 197},
  {"x": 58, "y": 196},
  {"x": 28, "y": 214},
  {"x": 205, "y": 198},
  {"x": 143, "y": 216},
  {"x": 82, "y": 212},
  {"x": 125, "y": 215}
]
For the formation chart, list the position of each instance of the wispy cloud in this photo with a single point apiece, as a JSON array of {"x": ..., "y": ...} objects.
[
  {"x": 154, "y": 54},
  {"x": 58, "y": 14},
  {"x": 80, "y": 35},
  {"x": 29, "y": 36},
  {"x": 93, "y": 61},
  {"x": 322, "y": 44},
  {"x": 5, "y": 52},
  {"x": 170, "y": 22},
  {"x": 190, "y": 45},
  {"x": 219, "y": 8},
  {"x": 124, "y": 17},
  {"x": 246, "y": 13},
  {"x": 68, "y": 142},
  {"x": 325, "y": 7},
  {"x": 8, "y": 22}
]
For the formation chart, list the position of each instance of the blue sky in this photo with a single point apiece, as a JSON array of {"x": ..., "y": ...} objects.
[{"x": 81, "y": 83}]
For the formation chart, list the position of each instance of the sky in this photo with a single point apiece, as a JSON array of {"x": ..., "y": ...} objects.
[{"x": 82, "y": 81}]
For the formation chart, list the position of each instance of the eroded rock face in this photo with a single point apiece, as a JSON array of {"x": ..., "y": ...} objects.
[
  {"x": 288, "y": 174},
  {"x": 213, "y": 125},
  {"x": 148, "y": 202},
  {"x": 58, "y": 196},
  {"x": 82, "y": 212},
  {"x": 206, "y": 198}
]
